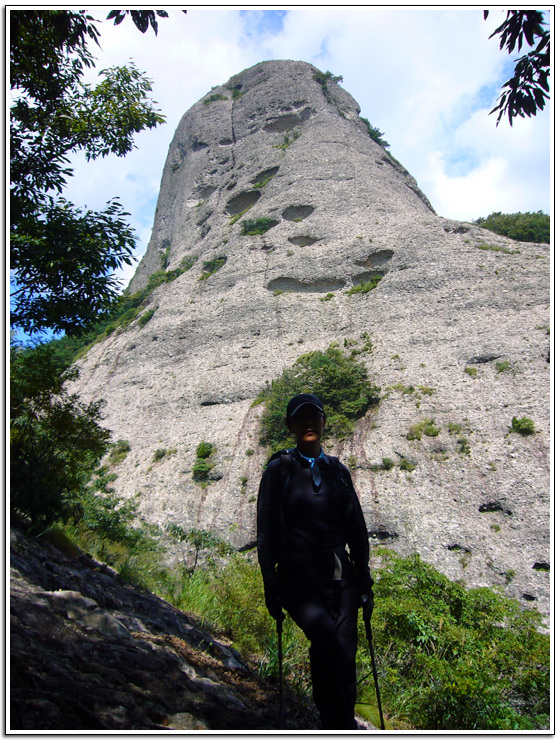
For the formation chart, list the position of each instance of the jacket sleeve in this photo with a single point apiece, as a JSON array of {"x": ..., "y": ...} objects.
[
  {"x": 268, "y": 523},
  {"x": 356, "y": 533}
]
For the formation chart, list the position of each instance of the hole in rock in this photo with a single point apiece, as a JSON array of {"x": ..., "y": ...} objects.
[
  {"x": 205, "y": 192},
  {"x": 303, "y": 241},
  {"x": 459, "y": 548},
  {"x": 375, "y": 259},
  {"x": 225, "y": 142},
  {"x": 265, "y": 175},
  {"x": 541, "y": 566},
  {"x": 292, "y": 285},
  {"x": 241, "y": 202},
  {"x": 285, "y": 123},
  {"x": 365, "y": 277},
  {"x": 382, "y": 534},
  {"x": 529, "y": 597},
  {"x": 494, "y": 506},
  {"x": 198, "y": 145},
  {"x": 295, "y": 213}
]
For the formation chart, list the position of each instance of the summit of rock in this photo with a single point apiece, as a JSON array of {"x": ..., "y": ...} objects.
[{"x": 279, "y": 201}]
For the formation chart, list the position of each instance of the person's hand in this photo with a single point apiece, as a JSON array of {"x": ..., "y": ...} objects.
[
  {"x": 366, "y": 602},
  {"x": 274, "y": 603}
]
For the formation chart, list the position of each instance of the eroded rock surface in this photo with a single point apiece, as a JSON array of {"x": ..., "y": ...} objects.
[
  {"x": 90, "y": 652},
  {"x": 276, "y": 172}
]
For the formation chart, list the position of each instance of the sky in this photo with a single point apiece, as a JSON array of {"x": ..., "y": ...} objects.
[{"x": 426, "y": 76}]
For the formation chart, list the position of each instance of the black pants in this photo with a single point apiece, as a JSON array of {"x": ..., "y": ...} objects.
[{"x": 328, "y": 614}]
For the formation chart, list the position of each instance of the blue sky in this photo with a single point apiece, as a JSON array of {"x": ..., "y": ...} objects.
[{"x": 426, "y": 76}]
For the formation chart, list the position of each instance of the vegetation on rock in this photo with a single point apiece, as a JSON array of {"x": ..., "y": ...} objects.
[
  {"x": 338, "y": 379},
  {"x": 523, "y": 227}
]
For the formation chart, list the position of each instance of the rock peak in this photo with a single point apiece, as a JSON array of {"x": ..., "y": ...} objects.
[{"x": 274, "y": 203}]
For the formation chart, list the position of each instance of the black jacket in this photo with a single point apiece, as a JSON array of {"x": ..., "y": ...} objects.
[{"x": 294, "y": 520}]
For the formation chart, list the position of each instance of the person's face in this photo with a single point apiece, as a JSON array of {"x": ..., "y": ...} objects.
[{"x": 307, "y": 424}]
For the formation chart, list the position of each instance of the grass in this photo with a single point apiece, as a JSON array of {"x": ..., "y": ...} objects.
[
  {"x": 448, "y": 658},
  {"x": 212, "y": 266},
  {"x": 256, "y": 226},
  {"x": 492, "y": 248},
  {"x": 365, "y": 287}
]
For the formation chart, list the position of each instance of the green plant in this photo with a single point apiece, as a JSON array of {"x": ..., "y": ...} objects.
[
  {"x": 504, "y": 366},
  {"x": 407, "y": 465},
  {"x": 204, "y": 450},
  {"x": 463, "y": 446},
  {"x": 56, "y": 441},
  {"x": 254, "y": 227},
  {"x": 323, "y": 78},
  {"x": 375, "y": 133},
  {"x": 287, "y": 141},
  {"x": 119, "y": 450},
  {"x": 212, "y": 266},
  {"x": 523, "y": 227},
  {"x": 249, "y": 452},
  {"x": 454, "y": 428},
  {"x": 213, "y": 98},
  {"x": 340, "y": 381},
  {"x": 523, "y": 426},
  {"x": 427, "y": 427},
  {"x": 327, "y": 297},
  {"x": 472, "y": 371},
  {"x": 495, "y": 527},
  {"x": 143, "y": 320},
  {"x": 492, "y": 248},
  {"x": 201, "y": 470},
  {"x": 365, "y": 287}
]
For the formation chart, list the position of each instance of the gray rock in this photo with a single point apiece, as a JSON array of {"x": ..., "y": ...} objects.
[{"x": 340, "y": 208}]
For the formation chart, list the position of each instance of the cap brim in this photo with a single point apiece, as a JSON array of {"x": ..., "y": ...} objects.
[{"x": 305, "y": 403}]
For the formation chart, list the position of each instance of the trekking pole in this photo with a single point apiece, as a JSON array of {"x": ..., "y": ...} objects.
[
  {"x": 369, "y": 637},
  {"x": 279, "y": 631}
]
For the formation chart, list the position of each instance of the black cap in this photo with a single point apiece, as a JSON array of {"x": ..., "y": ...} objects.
[{"x": 303, "y": 399}]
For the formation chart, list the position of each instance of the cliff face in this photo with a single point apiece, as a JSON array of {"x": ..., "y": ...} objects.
[{"x": 458, "y": 326}]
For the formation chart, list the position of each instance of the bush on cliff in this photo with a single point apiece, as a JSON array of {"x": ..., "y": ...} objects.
[{"x": 338, "y": 379}]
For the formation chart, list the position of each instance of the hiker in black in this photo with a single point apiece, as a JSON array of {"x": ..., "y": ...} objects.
[{"x": 307, "y": 514}]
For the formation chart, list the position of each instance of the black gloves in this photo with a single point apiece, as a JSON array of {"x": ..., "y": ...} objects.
[
  {"x": 366, "y": 602},
  {"x": 273, "y": 601}
]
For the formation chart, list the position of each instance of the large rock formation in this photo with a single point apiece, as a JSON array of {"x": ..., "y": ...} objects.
[{"x": 458, "y": 327}]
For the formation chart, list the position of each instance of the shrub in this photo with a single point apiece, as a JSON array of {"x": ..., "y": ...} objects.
[
  {"x": 201, "y": 470},
  {"x": 119, "y": 450},
  {"x": 56, "y": 441},
  {"x": 143, "y": 320},
  {"x": 340, "y": 381},
  {"x": 472, "y": 371},
  {"x": 454, "y": 659},
  {"x": 213, "y": 98},
  {"x": 427, "y": 427},
  {"x": 204, "y": 450},
  {"x": 407, "y": 465},
  {"x": 523, "y": 227},
  {"x": 211, "y": 266},
  {"x": 523, "y": 426},
  {"x": 375, "y": 134},
  {"x": 504, "y": 366},
  {"x": 256, "y": 226}
]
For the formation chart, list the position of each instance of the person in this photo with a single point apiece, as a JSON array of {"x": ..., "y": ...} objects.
[{"x": 307, "y": 513}]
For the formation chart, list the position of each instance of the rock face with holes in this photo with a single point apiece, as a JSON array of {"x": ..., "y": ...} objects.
[{"x": 275, "y": 190}]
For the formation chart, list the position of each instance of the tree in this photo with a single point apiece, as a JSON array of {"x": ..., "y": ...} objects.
[
  {"x": 62, "y": 258},
  {"x": 527, "y": 91},
  {"x": 55, "y": 439},
  {"x": 523, "y": 227}
]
